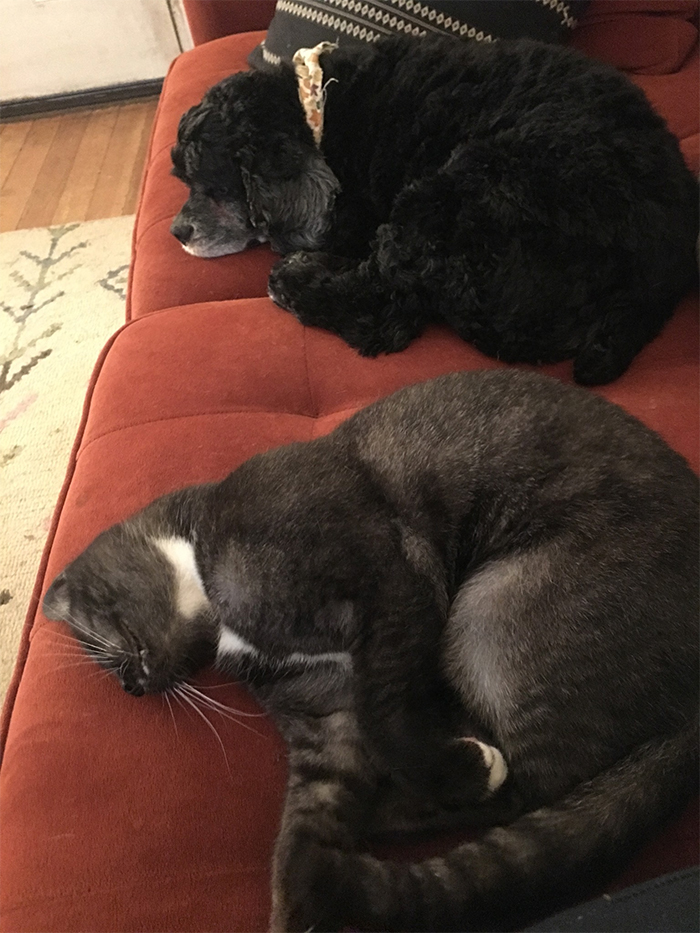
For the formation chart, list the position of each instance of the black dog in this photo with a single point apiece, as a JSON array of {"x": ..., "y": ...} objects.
[{"x": 522, "y": 193}]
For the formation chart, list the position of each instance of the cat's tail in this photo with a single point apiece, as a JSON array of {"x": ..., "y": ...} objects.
[{"x": 544, "y": 857}]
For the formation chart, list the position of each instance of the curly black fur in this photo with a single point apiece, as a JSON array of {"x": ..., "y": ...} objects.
[{"x": 520, "y": 192}]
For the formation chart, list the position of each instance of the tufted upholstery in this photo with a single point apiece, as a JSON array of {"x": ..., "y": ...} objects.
[{"x": 112, "y": 817}]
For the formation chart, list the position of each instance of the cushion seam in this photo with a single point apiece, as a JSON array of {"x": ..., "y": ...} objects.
[
  {"x": 206, "y": 414},
  {"x": 153, "y": 223},
  {"x": 313, "y": 404}
]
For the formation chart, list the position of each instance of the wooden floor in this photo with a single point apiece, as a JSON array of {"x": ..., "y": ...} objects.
[{"x": 75, "y": 165}]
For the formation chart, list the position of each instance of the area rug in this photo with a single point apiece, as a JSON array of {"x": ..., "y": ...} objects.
[{"x": 62, "y": 292}]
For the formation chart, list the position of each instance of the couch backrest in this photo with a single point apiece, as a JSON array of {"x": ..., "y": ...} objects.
[
  {"x": 210, "y": 19},
  {"x": 637, "y": 36}
]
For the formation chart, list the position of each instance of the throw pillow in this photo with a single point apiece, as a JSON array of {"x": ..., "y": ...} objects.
[{"x": 304, "y": 23}]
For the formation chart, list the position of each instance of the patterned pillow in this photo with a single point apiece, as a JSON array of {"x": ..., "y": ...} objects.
[{"x": 305, "y": 23}]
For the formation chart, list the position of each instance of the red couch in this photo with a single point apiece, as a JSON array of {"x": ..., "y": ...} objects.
[{"x": 113, "y": 817}]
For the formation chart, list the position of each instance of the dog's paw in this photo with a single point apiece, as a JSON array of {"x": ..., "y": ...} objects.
[
  {"x": 293, "y": 279},
  {"x": 600, "y": 360},
  {"x": 280, "y": 285}
]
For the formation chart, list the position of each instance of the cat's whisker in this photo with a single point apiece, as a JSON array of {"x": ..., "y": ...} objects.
[
  {"x": 213, "y": 686},
  {"x": 227, "y": 715},
  {"x": 93, "y": 653},
  {"x": 91, "y": 635},
  {"x": 71, "y": 620},
  {"x": 172, "y": 714},
  {"x": 71, "y": 645},
  {"x": 60, "y": 668},
  {"x": 209, "y": 724},
  {"x": 99, "y": 672},
  {"x": 65, "y": 636},
  {"x": 221, "y": 706},
  {"x": 80, "y": 656},
  {"x": 93, "y": 640},
  {"x": 94, "y": 669},
  {"x": 65, "y": 651},
  {"x": 201, "y": 700},
  {"x": 177, "y": 699}
]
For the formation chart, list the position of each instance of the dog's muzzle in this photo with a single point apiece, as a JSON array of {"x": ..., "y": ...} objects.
[{"x": 182, "y": 231}]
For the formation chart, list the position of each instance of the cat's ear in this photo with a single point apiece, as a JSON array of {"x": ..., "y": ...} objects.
[{"x": 56, "y": 603}]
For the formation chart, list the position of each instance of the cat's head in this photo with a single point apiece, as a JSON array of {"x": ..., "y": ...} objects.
[{"x": 136, "y": 603}]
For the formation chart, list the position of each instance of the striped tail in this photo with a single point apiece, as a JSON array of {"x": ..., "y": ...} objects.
[{"x": 547, "y": 856}]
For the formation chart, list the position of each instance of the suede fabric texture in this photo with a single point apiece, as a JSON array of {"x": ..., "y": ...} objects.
[
  {"x": 659, "y": 34},
  {"x": 210, "y": 19},
  {"x": 111, "y": 819}
]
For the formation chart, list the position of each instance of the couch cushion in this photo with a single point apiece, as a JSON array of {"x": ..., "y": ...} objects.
[
  {"x": 115, "y": 817},
  {"x": 639, "y": 36},
  {"x": 671, "y": 96}
]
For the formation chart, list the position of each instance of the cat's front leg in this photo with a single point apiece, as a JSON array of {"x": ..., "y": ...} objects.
[
  {"x": 407, "y": 711},
  {"x": 329, "y": 791}
]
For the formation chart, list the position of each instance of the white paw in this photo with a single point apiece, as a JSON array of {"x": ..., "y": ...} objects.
[{"x": 495, "y": 762}]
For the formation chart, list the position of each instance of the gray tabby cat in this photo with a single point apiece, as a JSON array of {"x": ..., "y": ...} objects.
[{"x": 475, "y": 601}]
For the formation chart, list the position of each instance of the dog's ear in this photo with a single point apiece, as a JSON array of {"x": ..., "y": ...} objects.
[
  {"x": 193, "y": 121},
  {"x": 194, "y": 131},
  {"x": 290, "y": 191}
]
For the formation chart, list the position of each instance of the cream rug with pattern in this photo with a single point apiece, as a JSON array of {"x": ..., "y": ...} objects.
[{"x": 62, "y": 292}]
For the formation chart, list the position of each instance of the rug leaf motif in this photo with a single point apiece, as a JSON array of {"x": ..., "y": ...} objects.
[
  {"x": 43, "y": 266},
  {"x": 61, "y": 297}
]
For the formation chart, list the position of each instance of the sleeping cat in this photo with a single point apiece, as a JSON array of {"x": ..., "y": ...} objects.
[{"x": 474, "y": 601}]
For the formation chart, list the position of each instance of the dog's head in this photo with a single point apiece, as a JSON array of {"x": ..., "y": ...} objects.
[{"x": 253, "y": 170}]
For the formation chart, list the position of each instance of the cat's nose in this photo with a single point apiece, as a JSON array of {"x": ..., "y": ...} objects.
[
  {"x": 183, "y": 232},
  {"x": 135, "y": 688}
]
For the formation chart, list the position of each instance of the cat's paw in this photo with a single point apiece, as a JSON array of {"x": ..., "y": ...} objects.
[
  {"x": 469, "y": 773},
  {"x": 493, "y": 761}
]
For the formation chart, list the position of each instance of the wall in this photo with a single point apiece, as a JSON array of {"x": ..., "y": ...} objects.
[{"x": 58, "y": 46}]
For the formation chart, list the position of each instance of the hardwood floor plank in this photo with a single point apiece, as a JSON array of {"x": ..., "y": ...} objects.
[
  {"x": 74, "y": 165},
  {"x": 113, "y": 181},
  {"x": 12, "y": 139},
  {"x": 132, "y": 194},
  {"x": 82, "y": 178},
  {"x": 51, "y": 180},
  {"x": 21, "y": 178}
]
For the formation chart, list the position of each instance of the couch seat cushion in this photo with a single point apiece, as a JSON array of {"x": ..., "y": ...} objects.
[{"x": 114, "y": 815}]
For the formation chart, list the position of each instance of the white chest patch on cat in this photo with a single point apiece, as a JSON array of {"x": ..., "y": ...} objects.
[
  {"x": 230, "y": 643},
  {"x": 190, "y": 597}
]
